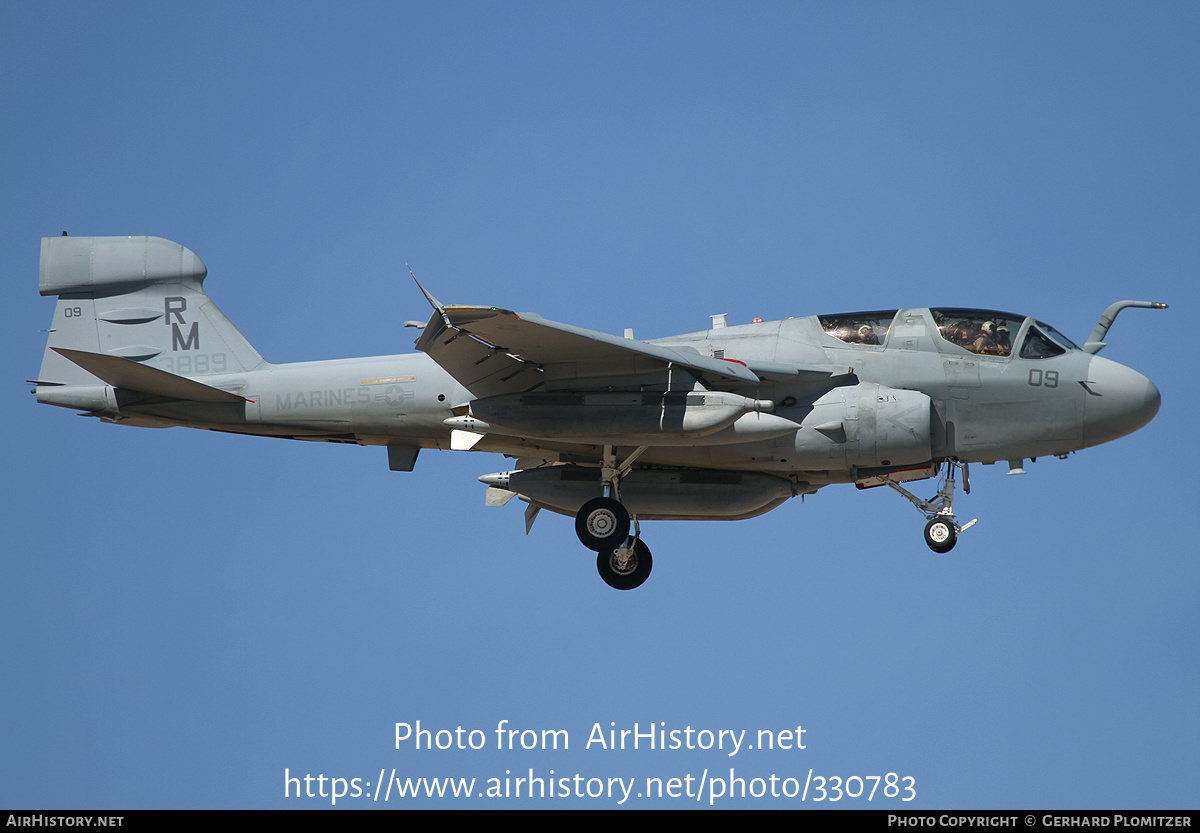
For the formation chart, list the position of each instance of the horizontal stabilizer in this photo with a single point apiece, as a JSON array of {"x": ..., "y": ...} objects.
[{"x": 128, "y": 374}]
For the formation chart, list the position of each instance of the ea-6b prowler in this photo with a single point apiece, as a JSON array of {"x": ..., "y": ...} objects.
[{"x": 717, "y": 425}]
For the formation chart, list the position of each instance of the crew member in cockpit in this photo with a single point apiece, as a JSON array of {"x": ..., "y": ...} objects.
[
  {"x": 866, "y": 335},
  {"x": 985, "y": 342},
  {"x": 1003, "y": 340}
]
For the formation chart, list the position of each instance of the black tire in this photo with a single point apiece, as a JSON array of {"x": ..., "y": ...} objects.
[
  {"x": 623, "y": 571},
  {"x": 602, "y": 524},
  {"x": 941, "y": 534}
]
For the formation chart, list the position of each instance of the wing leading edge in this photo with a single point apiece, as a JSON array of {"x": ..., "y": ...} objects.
[{"x": 491, "y": 351}]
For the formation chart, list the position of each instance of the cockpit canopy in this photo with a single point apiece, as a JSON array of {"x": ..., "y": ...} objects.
[
  {"x": 979, "y": 331},
  {"x": 859, "y": 327},
  {"x": 986, "y": 332}
]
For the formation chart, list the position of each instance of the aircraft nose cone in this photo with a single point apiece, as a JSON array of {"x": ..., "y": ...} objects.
[
  {"x": 1153, "y": 401},
  {"x": 1119, "y": 401}
]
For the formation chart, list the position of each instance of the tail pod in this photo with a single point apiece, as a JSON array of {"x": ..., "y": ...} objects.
[{"x": 130, "y": 300}]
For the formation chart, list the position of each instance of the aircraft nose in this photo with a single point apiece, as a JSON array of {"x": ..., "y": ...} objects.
[{"x": 1119, "y": 401}]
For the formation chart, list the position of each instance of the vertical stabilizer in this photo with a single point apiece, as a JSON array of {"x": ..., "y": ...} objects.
[{"x": 135, "y": 298}]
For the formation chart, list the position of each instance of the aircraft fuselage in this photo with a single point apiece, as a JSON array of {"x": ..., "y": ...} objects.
[{"x": 983, "y": 408}]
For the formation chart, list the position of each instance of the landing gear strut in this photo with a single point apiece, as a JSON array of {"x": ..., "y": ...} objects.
[
  {"x": 941, "y": 533},
  {"x": 603, "y": 523}
]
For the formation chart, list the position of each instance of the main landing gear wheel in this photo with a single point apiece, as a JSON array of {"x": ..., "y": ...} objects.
[
  {"x": 625, "y": 568},
  {"x": 940, "y": 534},
  {"x": 602, "y": 524}
]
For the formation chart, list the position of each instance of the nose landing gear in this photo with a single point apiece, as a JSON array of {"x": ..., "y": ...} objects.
[
  {"x": 942, "y": 530},
  {"x": 941, "y": 534}
]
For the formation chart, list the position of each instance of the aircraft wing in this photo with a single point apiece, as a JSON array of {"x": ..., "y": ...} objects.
[{"x": 491, "y": 351}]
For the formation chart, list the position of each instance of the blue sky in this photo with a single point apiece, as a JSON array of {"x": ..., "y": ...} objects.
[{"x": 189, "y": 614}]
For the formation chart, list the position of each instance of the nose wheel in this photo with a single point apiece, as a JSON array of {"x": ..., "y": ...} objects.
[{"x": 941, "y": 534}]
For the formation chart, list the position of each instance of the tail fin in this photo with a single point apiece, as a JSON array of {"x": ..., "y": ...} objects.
[{"x": 139, "y": 299}]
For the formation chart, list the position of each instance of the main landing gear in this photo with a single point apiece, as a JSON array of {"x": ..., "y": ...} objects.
[
  {"x": 603, "y": 523},
  {"x": 626, "y": 566},
  {"x": 942, "y": 530}
]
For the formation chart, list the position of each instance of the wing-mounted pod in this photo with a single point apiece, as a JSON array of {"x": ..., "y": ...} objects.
[
  {"x": 655, "y": 494},
  {"x": 670, "y": 418}
]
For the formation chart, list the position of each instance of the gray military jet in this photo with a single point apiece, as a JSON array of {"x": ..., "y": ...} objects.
[{"x": 717, "y": 425}]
